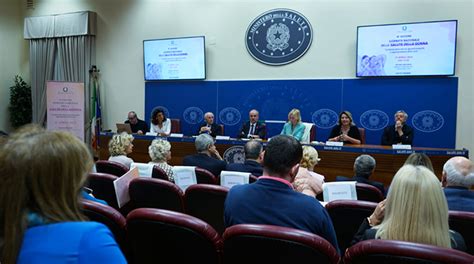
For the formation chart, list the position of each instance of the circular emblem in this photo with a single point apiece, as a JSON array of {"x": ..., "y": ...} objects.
[
  {"x": 374, "y": 119},
  {"x": 325, "y": 118},
  {"x": 428, "y": 121},
  {"x": 235, "y": 154},
  {"x": 229, "y": 116},
  {"x": 193, "y": 115},
  {"x": 165, "y": 110},
  {"x": 278, "y": 37},
  {"x": 65, "y": 89}
]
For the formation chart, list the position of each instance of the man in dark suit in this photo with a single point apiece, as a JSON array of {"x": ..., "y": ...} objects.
[
  {"x": 458, "y": 177},
  {"x": 400, "y": 133},
  {"x": 207, "y": 157},
  {"x": 138, "y": 126},
  {"x": 253, "y": 159},
  {"x": 364, "y": 167},
  {"x": 253, "y": 128},
  {"x": 208, "y": 127}
]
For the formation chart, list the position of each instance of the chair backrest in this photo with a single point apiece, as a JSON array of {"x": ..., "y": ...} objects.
[
  {"x": 155, "y": 235},
  {"x": 250, "y": 243},
  {"x": 175, "y": 125},
  {"x": 362, "y": 135},
  {"x": 159, "y": 173},
  {"x": 205, "y": 176},
  {"x": 347, "y": 216},
  {"x": 222, "y": 129},
  {"x": 156, "y": 193},
  {"x": 463, "y": 223},
  {"x": 206, "y": 202},
  {"x": 368, "y": 192},
  {"x": 392, "y": 251},
  {"x": 111, "y": 167},
  {"x": 102, "y": 185},
  {"x": 309, "y": 133},
  {"x": 108, "y": 216}
]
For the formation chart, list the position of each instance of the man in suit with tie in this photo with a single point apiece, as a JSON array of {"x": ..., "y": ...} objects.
[
  {"x": 209, "y": 127},
  {"x": 253, "y": 128}
]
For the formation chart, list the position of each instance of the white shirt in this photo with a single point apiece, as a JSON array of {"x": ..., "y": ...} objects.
[{"x": 166, "y": 127}]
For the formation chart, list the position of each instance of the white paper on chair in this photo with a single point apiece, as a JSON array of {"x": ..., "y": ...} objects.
[
  {"x": 144, "y": 169},
  {"x": 121, "y": 186},
  {"x": 231, "y": 178},
  {"x": 184, "y": 176},
  {"x": 344, "y": 190}
]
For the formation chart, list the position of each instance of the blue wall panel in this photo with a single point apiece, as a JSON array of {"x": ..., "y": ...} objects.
[{"x": 430, "y": 102}]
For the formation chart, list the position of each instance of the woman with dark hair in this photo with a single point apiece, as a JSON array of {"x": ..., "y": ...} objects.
[
  {"x": 345, "y": 130},
  {"x": 41, "y": 178},
  {"x": 159, "y": 123}
]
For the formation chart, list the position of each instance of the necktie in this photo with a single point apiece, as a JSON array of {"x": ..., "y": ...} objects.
[{"x": 252, "y": 129}]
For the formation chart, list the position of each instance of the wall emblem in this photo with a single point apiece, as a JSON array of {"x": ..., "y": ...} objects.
[
  {"x": 428, "y": 121},
  {"x": 325, "y": 118},
  {"x": 193, "y": 115},
  {"x": 278, "y": 37},
  {"x": 374, "y": 119},
  {"x": 235, "y": 154},
  {"x": 229, "y": 116}
]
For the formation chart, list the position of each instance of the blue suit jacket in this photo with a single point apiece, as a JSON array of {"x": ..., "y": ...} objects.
[
  {"x": 459, "y": 198},
  {"x": 204, "y": 161},
  {"x": 251, "y": 166}
]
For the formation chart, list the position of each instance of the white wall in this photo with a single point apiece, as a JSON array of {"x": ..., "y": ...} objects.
[
  {"x": 122, "y": 25},
  {"x": 12, "y": 54}
]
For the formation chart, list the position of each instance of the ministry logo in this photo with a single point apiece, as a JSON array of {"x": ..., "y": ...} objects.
[
  {"x": 278, "y": 37},
  {"x": 428, "y": 121},
  {"x": 229, "y": 116}
]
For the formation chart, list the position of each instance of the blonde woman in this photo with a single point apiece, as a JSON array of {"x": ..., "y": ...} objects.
[
  {"x": 422, "y": 159},
  {"x": 415, "y": 211},
  {"x": 307, "y": 181},
  {"x": 119, "y": 147},
  {"x": 41, "y": 178},
  {"x": 160, "y": 153},
  {"x": 293, "y": 127}
]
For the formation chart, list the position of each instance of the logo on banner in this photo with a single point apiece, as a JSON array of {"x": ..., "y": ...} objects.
[
  {"x": 374, "y": 119},
  {"x": 325, "y": 118},
  {"x": 235, "y": 154},
  {"x": 193, "y": 115},
  {"x": 278, "y": 37},
  {"x": 165, "y": 110},
  {"x": 428, "y": 121},
  {"x": 229, "y": 116},
  {"x": 65, "y": 89}
]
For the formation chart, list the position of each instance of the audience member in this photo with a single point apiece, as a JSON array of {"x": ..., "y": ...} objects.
[
  {"x": 137, "y": 125},
  {"x": 458, "y": 177},
  {"x": 160, "y": 153},
  {"x": 41, "y": 178},
  {"x": 418, "y": 158},
  {"x": 253, "y": 159},
  {"x": 294, "y": 127},
  {"x": 415, "y": 211},
  {"x": 364, "y": 167},
  {"x": 272, "y": 200},
  {"x": 120, "y": 145},
  {"x": 209, "y": 127},
  {"x": 303, "y": 182},
  {"x": 159, "y": 123},
  {"x": 207, "y": 157},
  {"x": 400, "y": 133},
  {"x": 253, "y": 128},
  {"x": 345, "y": 130}
]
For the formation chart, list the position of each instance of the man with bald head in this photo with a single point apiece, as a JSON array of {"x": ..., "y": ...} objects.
[
  {"x": 209, "y": 127},
  {"x": 458, "y": 177},
  {"x": 253, "y": 128}
]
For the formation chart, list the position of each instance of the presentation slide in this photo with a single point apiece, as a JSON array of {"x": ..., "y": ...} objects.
[
  {"x": 174, "y": 59},
  {"x": 412, "y": 49}
]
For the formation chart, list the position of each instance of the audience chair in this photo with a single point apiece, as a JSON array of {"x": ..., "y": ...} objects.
[
  {"x": 463, "y": 223},
  {"x": 392, "y": 251},
  {"x": 367, "y": 192},
  {"x": 347, "y": 216},
  {"x": 108, "y": 216},
  {"x": 111, "y": 167},
  {"x": 102, "y": 185},
  {"x": 362, "y": 135},
  {"x": 159, "y": 173},
  {"x": 175, "y": 126},
  {"x": 250, "y": 243},
  {"x": 205, "y": 176},
  {"x": 156, "y": 235},
  {"x": 156, "y": 193},
  {"x": 206, "y": 202}
]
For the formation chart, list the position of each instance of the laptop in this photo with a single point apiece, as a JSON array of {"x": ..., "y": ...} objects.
[{"x": 123, "y": 128}]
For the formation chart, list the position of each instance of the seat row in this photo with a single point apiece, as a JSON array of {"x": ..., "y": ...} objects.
[{"x": 149, "y": 235}]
